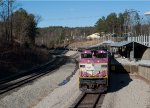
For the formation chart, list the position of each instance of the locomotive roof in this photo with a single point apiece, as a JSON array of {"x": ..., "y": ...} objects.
[
  {"x": 101, "y": 51},
  {"x": 90, "y": 51},
  {"x": 86, "y": 51}
]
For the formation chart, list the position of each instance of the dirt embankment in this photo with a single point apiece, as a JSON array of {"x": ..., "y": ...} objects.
[
  {"x": 84, "y": 43},
  {"x": 90, "y": 42},
  {"x": 17, "y": 59}
]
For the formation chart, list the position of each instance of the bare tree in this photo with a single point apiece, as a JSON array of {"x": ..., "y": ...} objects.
[
  {"x": 6, "y": 11},
  {"x": 25, "y": 27}
]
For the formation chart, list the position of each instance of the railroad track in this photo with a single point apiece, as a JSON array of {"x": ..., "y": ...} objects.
[
  {"x": 29, "y": 77},
  {"x": 89, "y": 100}
]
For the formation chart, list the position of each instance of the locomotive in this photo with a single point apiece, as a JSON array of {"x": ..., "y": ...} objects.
[{"x": 93, "y": 71}]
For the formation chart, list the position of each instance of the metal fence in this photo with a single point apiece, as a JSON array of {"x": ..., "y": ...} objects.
[{"x": 142, "y": 39}]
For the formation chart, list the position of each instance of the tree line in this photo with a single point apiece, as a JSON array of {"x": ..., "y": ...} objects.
[
  {"x": 16, "y": 27},
  {"x": 19, "y": 26},
  {"x": 54, "y": 36},
  {"x": 128, "y": 23}
]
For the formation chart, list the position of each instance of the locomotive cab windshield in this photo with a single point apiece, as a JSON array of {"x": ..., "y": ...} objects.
[
  {"x": 86, "y": 55},
  {"x": 101, "y": 55}
]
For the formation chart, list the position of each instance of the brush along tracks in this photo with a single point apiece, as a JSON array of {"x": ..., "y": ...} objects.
[
  {"x": 89, "y": 100},
  {"x": 11, "y": 84}
]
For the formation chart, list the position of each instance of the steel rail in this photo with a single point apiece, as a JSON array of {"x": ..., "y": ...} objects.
[
  {"x": 10, "y": 85},
  {"x": 88, "y": 100}
]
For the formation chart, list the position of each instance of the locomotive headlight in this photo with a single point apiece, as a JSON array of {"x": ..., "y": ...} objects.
[
  {"x": 104, "y": 73},
  {"x": 104, "y": 70}
]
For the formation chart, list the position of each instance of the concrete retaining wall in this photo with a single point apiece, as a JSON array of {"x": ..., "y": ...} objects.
[
  {"x": 141, "y": 70},
  {"x": 146, "y": 55},
  {"x": 144, "y": 71},
  {"x": 124, "y": 68},
  {"x": 131, "y": 68}
]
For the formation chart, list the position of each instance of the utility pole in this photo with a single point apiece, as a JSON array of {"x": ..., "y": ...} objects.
[
  {"x": 147, "y": 14},
  {"x": 131, "y": 28},
  {"x": 8, "y": 24},
  {"x": 11, "y": 21}
]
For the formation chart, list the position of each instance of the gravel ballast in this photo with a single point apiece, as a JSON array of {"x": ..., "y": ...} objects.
[
  {"x": 62, "y": 97},
  {"x": 30, "y": 95},
  {"x": 124, "y": 91}
]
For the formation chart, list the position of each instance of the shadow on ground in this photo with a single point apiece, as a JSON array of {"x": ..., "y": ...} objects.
[{"x": 118, "y": 76}]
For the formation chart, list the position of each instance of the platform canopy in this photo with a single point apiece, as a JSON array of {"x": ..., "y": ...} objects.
[
  {"x": 119, "y": 44},
  {"x": 126, "y": 43},
  {"x": 108, "y": 42}
]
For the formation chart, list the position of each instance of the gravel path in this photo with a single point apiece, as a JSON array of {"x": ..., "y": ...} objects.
[{"x": 32, "y": 94}]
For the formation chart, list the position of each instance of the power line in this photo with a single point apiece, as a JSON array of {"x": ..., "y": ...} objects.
[{"x": 72, "y": 18}]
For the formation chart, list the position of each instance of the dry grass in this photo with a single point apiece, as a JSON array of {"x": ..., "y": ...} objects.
[
  {"x": 16, "y": 59},
  {"x": 84, "y": 43}
]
